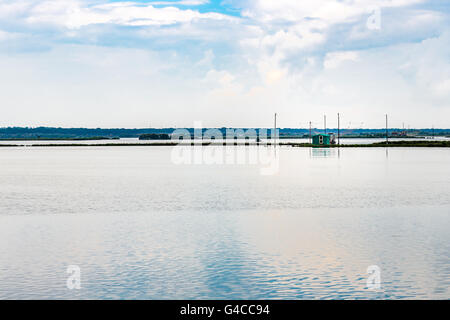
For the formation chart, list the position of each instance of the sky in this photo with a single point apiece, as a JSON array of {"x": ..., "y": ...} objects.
[{"x": 127, "y": 64}]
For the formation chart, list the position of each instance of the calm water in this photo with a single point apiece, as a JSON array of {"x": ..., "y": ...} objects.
[
  {"x": 136, "y": 140},
  {"x": 140, "y": 226}
]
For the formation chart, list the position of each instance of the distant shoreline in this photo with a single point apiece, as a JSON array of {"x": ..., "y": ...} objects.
[
  {"x": 58, "y": 139},
  {"x": 80, "y": 134},
  {"x": 168, "y": 138},
  {"x": 391, "y": 144}
]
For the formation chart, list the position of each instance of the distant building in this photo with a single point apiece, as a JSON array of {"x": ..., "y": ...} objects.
[
  {"x": 323, "y": 139},
  {"x": 399, "y": 134}
]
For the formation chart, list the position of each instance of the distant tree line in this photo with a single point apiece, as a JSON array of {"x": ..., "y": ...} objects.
[
  {"x": 87, "y": 133},
  {"x": 75, "y": 133},
  {"x": 154, "y": 136}
]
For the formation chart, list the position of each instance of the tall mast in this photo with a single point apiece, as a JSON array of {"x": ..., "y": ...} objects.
[
  {"x": 387, "y": 132},
  {"x": 339, "y": 129},
  {"x": 310, "y": 132},
  {"x": 275, "y": 128}
]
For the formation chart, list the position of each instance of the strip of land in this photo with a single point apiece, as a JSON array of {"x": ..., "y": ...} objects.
[
  {"x": 393, "y": 144},
  {"x": 49, "y": 133},
  {"x": 396, "y": 144},
  {"x": 59, "y": 139}
]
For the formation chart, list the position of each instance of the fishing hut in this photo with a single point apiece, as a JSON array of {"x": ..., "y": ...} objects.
[{"x": 323, "y": 140}]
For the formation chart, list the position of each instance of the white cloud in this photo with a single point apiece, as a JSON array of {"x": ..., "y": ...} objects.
[
  {"x": 223, "y": 78},
  {"x": 9, "y": 35},
  {"x": 335, "y": 59},
  {"x": 179, "y": 3},
  {"x": 298, "y": 58},
  {"x": 330, "y": 11},
  {"x": 428, "y": 67},
  {"x": 75, "y": 14}
]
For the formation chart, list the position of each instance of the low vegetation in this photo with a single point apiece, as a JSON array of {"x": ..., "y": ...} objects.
[
  {"x": 393, "y": 144},
  {"x": 154, "y": 136},
  {"x": 396, "y": 144}
]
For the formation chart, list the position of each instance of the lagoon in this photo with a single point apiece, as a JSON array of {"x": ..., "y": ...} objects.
[
  {"x": 344, "y": 141},
  {"x": 142, "y": 227}
]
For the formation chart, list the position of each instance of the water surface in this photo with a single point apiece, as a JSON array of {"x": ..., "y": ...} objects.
[
  {"x": 231, "y": 141},
  {"x": 140, "y": 226}
]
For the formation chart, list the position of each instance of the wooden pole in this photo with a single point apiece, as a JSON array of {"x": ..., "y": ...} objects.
[
  {"x": 339, "y": 129},
  {"x": 387, "y": 132},
  {"x": 310, "y": 132},
  {"x": 275, "y": 129}
]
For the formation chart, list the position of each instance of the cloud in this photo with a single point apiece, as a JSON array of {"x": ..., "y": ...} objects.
[
  {"x": 329, "y": 11},
  {"x": 179, "y": 63},
  {"x": 179, "y": 3},
  {"x": 8, "y": 35},
  {"x": 72, "y": 14},
  {"x": 75, "y": 14},
  {"x": 427, "y": 66},
  {"x": 288, "y": 35},
  {"x": 335, "y": 59}
]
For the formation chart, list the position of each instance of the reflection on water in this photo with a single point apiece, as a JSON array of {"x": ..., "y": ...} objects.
[
  {"x": 140, "y": 227},
  {"x": 324, "y": 152}
]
